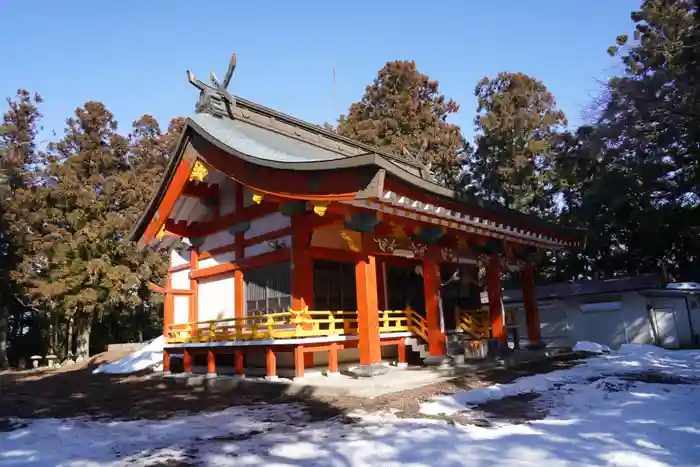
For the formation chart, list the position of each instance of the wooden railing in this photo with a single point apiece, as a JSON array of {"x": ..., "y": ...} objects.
[
  {"x": 417, "y": 323},
  {"x": 290, "y": 324},
  {"x": 473, "y": 322}
]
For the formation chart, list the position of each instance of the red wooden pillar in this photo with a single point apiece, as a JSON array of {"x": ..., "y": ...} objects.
[
  {"x": 302, "y": 265},
  {"x": 402, "y": 351},
  {"x": 299, "y": 361},
  {"x": 333, "y": 359},
  {"x": 302, "y": 272},
  {"x": 211, "y": 362},
  {"x": 240, "y": 369},
  {"x": 238, "y": 293},
  {"x": 168, "y": 306},
  {"x": 493, "y": 289},
  {"x": 367, "y": 310},
  {"x": 431, "y": 284},
  {"x": 166, "y": 361},
  {"x": 186, "y": 361},
  {"x": 532, "y": 314},
  {"x": 270, "y": 363},
  {"x": 194, "y": 287},
  {"x": 381, "y": 285},
  {"x": 238, "y": 279}
]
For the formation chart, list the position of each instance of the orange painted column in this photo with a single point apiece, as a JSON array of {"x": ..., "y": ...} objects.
[
  {"x": 211, "y": 362},
  {"x": 239, "y": 282},
  {"x": 168, "y": 305},
  {"x": 381, "y": 285},
  {"x": 402, "y": 351},
  {"x": 367, "y": 310},
  {"x": 166, "y": 361},
  {"x": 431, "y": 285},
  {"x": 493, "y": 289},
  {"x": 194, "y": 287},
  {"x": 532, "y": 314},
  {"x": 270, "y": 363},
  {"x": 302, "y": 272},
  {"x": 240, "y": 369},
  {"x": 238, "y": 293},
  {"x": 299, "y": 361},
  {"x": 333, "y": 358},
  {"x": 302, "y": 265},
  {"x": 186, "y": 361}
]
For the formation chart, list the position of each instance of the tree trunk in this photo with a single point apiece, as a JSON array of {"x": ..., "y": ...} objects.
[
  {"x": 69, "y": 341},
  {"x": 4, "y": 323},
  {"x": 82, "y": 330},
  {"x": 52, "y": 334}
]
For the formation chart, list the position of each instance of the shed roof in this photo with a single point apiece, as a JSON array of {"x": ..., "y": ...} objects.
[{"x": 593, "y": 287}]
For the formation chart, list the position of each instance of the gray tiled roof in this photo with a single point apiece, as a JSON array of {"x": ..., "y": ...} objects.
[{"x": 261, "y": 143}]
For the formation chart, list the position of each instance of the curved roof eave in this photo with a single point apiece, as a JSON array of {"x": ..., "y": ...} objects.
[{"x": 362, "y": 160}]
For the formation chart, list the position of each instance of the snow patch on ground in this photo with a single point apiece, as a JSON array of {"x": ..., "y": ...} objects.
[
  {"x": 631, "y": 358},
  {"x": 150, "y": 356},
  {"x": 592, "y": 347},
  {"x": 603, "y": 412}
]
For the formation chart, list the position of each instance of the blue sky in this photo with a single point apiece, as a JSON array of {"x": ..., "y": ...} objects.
[{"x": 132, "y": 55}]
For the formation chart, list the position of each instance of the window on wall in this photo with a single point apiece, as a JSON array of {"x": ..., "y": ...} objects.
[
  {"x": 268, "y": 289},
  {"x": 334, "y": 286}
]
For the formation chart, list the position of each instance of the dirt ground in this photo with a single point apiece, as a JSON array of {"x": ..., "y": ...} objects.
[{"x": 75, "y": 391}]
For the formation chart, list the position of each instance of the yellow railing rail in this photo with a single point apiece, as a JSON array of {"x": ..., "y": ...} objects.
[
  {"x": 474, "y": 322},
  {"x": 292, "y": 323},
  {"x": 417, "y": 323},
  {"x": 394, "y": 321}
]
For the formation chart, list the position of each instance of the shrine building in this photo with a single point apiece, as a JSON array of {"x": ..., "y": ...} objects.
[{"x": 292, "y": 247}]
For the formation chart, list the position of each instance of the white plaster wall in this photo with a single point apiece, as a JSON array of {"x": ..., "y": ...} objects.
[
  {"x": 178, "y": 258},
  {"x": 681, "y": 316},
  {"x": 227, "y": 202},
  {"x": 638, "y": 325},
  {"x": 694, "y": 312},
  {"x": 181, "y": 309},
  {"x": 563, "y": 323},
  {"x": 269, "y": 223},
  {"x": 264, "y": 247},
  {"x": 216, "y": 240},
  {"x": 217, "y": 259},
  {"x": 554, "y": 322},
  {"x": 216, "y": 298},
  {"x": 180, "y": 280}
]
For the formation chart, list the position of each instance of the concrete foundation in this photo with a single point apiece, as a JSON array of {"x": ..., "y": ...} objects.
[{"x": 346, "y": 383}]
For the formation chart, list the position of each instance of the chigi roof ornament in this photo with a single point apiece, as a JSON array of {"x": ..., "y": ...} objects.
[{"x": 215, "y": 90}]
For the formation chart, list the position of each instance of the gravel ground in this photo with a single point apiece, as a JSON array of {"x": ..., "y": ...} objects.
[{"x": 75, "y": 391}]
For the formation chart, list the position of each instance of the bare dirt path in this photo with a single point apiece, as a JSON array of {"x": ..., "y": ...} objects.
[{"x": 75, "y": 391}]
